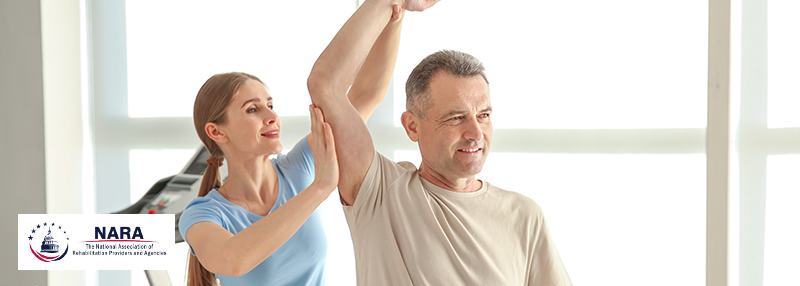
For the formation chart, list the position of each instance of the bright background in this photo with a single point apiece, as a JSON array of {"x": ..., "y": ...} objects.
[{"x": 600, "y": 116}]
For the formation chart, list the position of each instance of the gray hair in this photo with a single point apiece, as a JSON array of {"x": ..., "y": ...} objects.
[{"x": 456, "y": 63}]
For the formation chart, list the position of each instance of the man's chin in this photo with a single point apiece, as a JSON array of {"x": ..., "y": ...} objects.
[{"x": 470, "y": 171}]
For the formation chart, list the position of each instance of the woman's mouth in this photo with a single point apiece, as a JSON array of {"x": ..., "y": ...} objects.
[{"x": 270, "y": 134}]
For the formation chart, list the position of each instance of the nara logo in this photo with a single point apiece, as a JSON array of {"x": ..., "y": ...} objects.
[{"x": 54, "y": 242}]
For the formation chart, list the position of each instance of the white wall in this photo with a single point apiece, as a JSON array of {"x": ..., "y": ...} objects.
[
  {"x": 63, "y": 119},
  {"x": 22, "y": 160},
  {"x": 41, "y": 109}
]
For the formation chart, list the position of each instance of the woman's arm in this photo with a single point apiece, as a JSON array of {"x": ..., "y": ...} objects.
[{"x": 224, "y": 253}]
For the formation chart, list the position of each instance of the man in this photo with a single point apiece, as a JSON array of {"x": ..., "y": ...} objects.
[{"x": 436, "y": 225}]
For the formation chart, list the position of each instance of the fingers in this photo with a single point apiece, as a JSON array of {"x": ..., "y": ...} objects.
[
  {"x": 317, "y": 130},
  {"x": 324, "y": 151},
  {"x": 314, "y": 123},
  {"x": 321, "y": 129},
  {"x": 329, "y": 142},
  {"x": 397, "y": 13}
]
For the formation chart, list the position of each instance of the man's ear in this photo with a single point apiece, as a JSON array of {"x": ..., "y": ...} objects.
[
  {"x": 411, "y": 125},
  {"x": 213, "y": 131}
]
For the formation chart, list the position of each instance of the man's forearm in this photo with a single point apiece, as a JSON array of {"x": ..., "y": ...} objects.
[{"x": 374, "y": 77}]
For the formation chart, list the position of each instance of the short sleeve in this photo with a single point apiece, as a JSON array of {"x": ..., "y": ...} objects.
[
  {"x": 382, "y": 174},
  {"x": 199, "y": 210},
  {"x": 546, "y": 265},
  {"x": 300, "y": 158}
]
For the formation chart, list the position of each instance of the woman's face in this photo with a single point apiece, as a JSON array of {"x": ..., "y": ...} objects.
[{"x": 252, "y": 127}]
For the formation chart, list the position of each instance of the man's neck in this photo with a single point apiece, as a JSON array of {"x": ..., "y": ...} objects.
[{"x": 460, "y": 185}]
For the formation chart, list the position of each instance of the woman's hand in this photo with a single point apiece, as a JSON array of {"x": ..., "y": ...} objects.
[{"x": 326, "y": 164}]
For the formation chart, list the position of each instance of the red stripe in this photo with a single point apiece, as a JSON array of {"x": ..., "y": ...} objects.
[{"x": 37, "y": 254}]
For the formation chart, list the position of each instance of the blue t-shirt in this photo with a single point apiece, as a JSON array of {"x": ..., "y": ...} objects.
[{"x": 299, "y": 261}]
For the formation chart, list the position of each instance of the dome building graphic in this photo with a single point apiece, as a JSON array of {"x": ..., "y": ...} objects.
[
  {"x": 50, "y": 250},
  {"x": 49, "y": 244}
]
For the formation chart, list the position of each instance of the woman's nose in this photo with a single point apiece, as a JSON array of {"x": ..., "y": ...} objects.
[{"x": 270, "y": 117}]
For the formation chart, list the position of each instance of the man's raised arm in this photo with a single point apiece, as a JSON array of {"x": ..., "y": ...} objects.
[{"x": 334, "y": 73}]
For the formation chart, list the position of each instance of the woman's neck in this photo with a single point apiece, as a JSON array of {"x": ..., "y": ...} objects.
[{"x": 252, "y": 184}]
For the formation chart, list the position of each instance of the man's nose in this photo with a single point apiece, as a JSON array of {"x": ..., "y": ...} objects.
[{"x": 474, "y": 130}]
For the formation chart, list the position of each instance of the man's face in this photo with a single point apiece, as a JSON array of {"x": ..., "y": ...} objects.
[{"x": 455, "y": 138}]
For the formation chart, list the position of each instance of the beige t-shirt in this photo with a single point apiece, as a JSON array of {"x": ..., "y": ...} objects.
[{"x": 408, "y": 231}]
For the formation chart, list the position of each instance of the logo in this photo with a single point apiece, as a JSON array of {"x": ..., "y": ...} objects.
[
  {"x": 96, "y": 242},
  {"x": 54, "y": 242}
]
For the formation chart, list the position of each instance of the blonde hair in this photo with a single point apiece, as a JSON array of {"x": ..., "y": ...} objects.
[{"x": 209, "y": 106}]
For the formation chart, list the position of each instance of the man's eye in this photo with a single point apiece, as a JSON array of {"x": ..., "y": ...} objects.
[
  {"x": 270, "y": 107},
  {"x": 485, "y": 115}
]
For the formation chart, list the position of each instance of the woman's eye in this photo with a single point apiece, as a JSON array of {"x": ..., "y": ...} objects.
[{"x": 251, "y": 110}]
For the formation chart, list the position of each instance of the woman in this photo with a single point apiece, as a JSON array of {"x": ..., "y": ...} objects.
[{"x": 259, "y": 227}]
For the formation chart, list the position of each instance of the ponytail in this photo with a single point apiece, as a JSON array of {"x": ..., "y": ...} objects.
[
  {"x": 198, "y": 275},
  {"x": 211, "y": 178}
]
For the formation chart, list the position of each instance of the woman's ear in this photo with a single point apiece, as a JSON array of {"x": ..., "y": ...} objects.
[
  {"x": 410, "y": 124},
  {"x": 213, "y": 131}
]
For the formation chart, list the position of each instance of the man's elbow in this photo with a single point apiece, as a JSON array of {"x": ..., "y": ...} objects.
[{"x": 318, "y": 84}]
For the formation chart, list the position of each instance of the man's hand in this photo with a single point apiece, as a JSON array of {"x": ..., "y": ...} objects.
[{"x": 418, "y": 5}]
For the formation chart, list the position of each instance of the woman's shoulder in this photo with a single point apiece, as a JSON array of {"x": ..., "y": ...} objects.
[
  {"x": 299, "y": 158},
  {"x": 212, "y": 200}
]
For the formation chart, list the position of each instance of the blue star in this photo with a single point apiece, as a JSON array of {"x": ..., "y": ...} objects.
[
  {"x": 37, "y": 226},
  {"x": 52, "y": 224},
  {"x": 30, "y": 237},
  {"x": 59, "y": 227},
  {"x": 33, "y": 231}
]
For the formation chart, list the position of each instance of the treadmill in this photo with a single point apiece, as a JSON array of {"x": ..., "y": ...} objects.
[{"x": 170, "y": 195}]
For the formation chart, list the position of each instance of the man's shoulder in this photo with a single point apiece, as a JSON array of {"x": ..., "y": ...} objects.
[{"x": 406, "y": 165}]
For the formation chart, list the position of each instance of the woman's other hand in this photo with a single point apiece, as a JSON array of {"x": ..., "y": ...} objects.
[{"x": 326, "y": 164}]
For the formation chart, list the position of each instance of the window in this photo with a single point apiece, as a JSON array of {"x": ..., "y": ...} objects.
[
  {"x": 613, "y": 93},
  {"x": 574, "y": 64},
  {"x": 780, "y": 232},
  {"x": 170, "y": 57},
  {"x": 769, "y": 142},
  {"x": 783, "y": 60}
]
